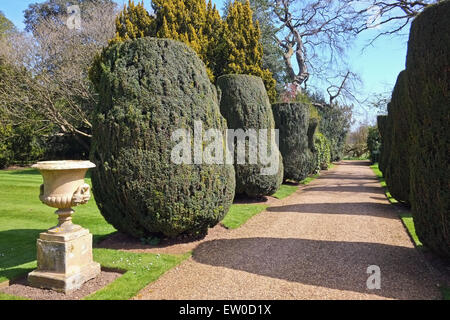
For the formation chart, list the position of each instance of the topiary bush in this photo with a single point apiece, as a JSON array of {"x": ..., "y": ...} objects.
[
  {"x": 397, "y": 168},
  {"x": 428, "y": 75},
  {"x": 245, "y": 105},
  {"x": 149, "y": 88},
  {"x": 383, "y": 158},
  {"x": 292, "y": 121}
]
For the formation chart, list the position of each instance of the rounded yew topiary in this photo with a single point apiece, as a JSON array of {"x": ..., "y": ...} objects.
[
  {"x": 148, "y": 88},
  {"x": 428, "y": 75},
  {"x": 292, "y": 121},
  {"x": 245, "y": 105}
]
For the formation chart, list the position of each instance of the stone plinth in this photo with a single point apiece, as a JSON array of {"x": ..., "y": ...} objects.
[{"x": 64, "y": 261}]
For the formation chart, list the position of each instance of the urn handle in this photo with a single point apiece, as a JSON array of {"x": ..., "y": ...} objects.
[{"x": 81, "y": 195}]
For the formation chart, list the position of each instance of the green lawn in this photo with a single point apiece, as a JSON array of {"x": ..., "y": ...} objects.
[
  {"x": 285, "y": 191},
  {"x": 240, "y": 213},
  {"x": 23, "y": 217}
]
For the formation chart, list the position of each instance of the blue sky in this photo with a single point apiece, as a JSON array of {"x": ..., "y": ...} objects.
[{"x": 378, "y": 65}]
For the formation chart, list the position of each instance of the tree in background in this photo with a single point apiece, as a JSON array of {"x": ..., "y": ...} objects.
[
  {"x": 18, "y": 142},
  {"x": 54, "y": 61},
  {"x": 132, "y": 22},
  {"x": 356, "y": 144},
  {"x": 272, "y": 54},
  {"x": 243, "y": 49},
  {"x": 229, "y": 45}
]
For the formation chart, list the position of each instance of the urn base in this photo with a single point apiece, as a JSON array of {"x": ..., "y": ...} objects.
[{"x": 64, "y": 261}]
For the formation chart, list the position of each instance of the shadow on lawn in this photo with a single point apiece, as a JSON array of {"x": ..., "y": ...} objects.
[
  {"x": 17, "y": 247},
  {"x": 331, "y": 264}
]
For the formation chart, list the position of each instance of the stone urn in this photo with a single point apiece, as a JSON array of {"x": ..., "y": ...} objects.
[{"x": 64, "y": 252}]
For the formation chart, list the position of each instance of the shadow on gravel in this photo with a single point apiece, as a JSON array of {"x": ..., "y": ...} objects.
[
  {"x": 330, "y": 264},
  {"x": 350, "y": 208},
  {"x": 360, "y": 188}
]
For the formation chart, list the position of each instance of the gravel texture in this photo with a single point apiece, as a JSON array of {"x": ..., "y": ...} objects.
[
  {"x": 315, "y": 244},
  {"x": 21, "y": 288}
]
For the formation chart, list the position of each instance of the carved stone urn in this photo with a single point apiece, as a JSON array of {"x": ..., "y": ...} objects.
[{"x": 64, "y": 252}]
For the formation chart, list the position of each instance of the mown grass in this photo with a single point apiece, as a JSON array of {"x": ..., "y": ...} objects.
[
  {"x": 379, "y": 174},
  {"x": 23, "y": 217},
  {"x": 406, "y": 218},
  {"x": 285, "y": 191},
  {"x": 240, "y": 213},
  {"x": 140, "y": 269}
]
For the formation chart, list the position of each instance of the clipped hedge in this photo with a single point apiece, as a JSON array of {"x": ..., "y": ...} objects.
[
  {"x": 245, "y": 105},
  {"x": 148, "y": 88},
  {"x": 396, "y": 171},
  {"x": 382, "y": 128},
  {"x": 428, "y": 73},
  {"x": 292, "y": 121}
]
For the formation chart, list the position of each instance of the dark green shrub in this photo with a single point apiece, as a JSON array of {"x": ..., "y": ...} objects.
[
  {"x": 292, "y": 121},
  {"x": 149, "y": 88},
  {"x": 428, "y": 74},
  {"x": 6, "y": 154},
  {"x": 374, "y": 144},
  {"x": 382, "y": 124},
  {"x": 335, "y": 122},
  {"x": 311, "y": 133},
  {"x": 397, "y": 167},
  {"x": 322, "y": 153},
  {"x": 245, "y": 105}
]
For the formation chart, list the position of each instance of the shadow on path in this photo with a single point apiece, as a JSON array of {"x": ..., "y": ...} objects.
[
  {"x": 350, "y": 208},
  {"x": 330, "y": 264}
]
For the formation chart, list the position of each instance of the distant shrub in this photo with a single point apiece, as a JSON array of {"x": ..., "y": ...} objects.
[
  {"x": 322, "y": 153},
  {"x": 381, "y": 124},
  {"x": 374, "y": 144}
]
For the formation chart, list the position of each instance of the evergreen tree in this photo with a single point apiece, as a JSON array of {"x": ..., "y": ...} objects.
[
  {"x": 243, "y": 49},
  {"x": 133, "y": 22},
  {"x": 230, "y": 45}
]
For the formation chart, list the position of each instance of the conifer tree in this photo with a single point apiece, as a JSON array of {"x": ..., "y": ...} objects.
[
  {"x": 230, "y": 45},
  {"x": 243, "y": 49},
  {"x": 133, "y": 22}
]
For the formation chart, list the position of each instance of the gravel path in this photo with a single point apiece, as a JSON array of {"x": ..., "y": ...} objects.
[{"x": 315, "y": 244}]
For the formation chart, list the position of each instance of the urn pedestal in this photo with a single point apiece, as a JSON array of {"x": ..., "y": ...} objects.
[{"x": 64, "y": 252}]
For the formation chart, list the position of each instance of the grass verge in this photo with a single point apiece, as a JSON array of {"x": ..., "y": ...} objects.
[
  {"x": 240, "y": 213},
  {"x": 285, "y": 191}
]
